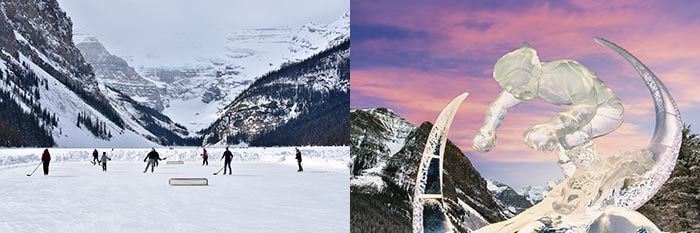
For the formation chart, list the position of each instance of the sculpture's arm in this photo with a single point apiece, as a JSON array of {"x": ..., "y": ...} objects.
[
  {"x": 485, "y": 138},
  {"x": 497, "y": 110}
]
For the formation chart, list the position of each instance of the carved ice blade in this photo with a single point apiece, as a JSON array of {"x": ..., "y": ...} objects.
[
  {"x": 666, "y": 141},
  {"x": 434, "y": 149}
]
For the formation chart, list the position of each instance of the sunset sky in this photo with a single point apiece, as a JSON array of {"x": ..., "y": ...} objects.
[{"x": 415, "y": 56}]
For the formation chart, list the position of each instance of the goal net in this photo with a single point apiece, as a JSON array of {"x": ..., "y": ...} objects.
[{"x": 189, "y": 181}]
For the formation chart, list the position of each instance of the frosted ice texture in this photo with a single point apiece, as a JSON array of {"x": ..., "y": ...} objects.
[
  {"x": 593, "y": 186},
  {"x": 592, "y": 109},
  {"x": 598, "y": 194},
  {"x": 434, "y": 147}
]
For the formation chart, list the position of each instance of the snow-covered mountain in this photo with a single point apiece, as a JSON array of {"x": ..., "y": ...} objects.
[
  {"x": 507, "y": 197},
  {"x": 534, "y": 193},
  {"x": 377, "y": 134},
  {"x": 148, "y": 122},
  {"x": 49, "y": 93},
  {"x": 123, "y": 86},
  {"x": 302, "y": 103},
  {"x": 197, "y": 89},
  {"x": 385, "y": 152},
  {"x": 115, "y": 72}
]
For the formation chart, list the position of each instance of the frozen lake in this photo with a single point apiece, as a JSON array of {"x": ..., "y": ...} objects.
[{"x": 263, "y": 195}]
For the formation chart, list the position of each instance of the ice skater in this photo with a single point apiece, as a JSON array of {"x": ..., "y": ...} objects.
[
  {"x": 152, "y": 158},
  {"x": 95, "y": 159},
  {"x": 103, "y": 160},
  {"x": 205, "y": 157},
  {"x": 228, "y": 156},
  {"x": 298, "y": 157},
  {"x": 45, "y": 160}
]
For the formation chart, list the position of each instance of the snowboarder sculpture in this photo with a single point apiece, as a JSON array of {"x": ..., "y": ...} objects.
[
  {"x": 592, "y": 109},
  {"x": 594, "y": 187}
]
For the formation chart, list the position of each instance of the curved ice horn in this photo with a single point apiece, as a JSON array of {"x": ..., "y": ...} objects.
[
  {"x": 434, "y": 148},
  {"x": 666, "y": 141}
]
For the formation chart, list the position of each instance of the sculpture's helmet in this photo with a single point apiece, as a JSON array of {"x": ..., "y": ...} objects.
[{"x": 518, "y": 72}]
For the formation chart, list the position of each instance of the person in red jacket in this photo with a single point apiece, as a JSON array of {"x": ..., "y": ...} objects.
[
  {"x": 45, "y": 159},
  {"x": 205, "y": 157}
]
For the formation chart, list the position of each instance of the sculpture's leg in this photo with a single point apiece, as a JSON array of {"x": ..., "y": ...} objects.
[
  {"x": 567, "y": 166},
  {"x": 608, "y": 117}
]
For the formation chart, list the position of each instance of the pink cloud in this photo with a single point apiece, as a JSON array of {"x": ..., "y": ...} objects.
[{"x": 666, "y": 43}]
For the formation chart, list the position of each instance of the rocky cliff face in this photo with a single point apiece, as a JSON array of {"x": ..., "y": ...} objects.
[
  {"x": 123, "y": 86},
  {"x": 115, "y": 72},
  {"x": 45, "y": 34},
  {"x": 382, "y": 186},
  {"x": 49, "y": 92},
  {"x": 316, "y": 90},
  {"x": 377, "y": 134},
  {"x": 508, "y": 197}
]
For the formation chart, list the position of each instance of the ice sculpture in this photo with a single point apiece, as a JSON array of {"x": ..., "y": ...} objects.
[
  {"x": 434, "y": 151},
  {"x": 597, "y": 190},
  {"x": 593, "y": 110}
]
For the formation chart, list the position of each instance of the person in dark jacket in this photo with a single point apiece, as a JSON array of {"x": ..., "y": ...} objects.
[
  {"x": 45, "y": 159},
  {"x": 104, "y": 161},
  {"x": 298, "y": 157},
  {"x": 152, "y": 158},
  {"x": 205, "y": 157},
  {"x": 95, "y": 159},
  {"x": 228, "y": 156}
]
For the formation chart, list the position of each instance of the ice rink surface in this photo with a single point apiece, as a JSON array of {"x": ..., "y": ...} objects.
[{"x": 258, "y": 197}]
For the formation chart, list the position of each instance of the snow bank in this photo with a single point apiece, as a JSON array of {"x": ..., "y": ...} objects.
[{"x": 332, "y": 158}]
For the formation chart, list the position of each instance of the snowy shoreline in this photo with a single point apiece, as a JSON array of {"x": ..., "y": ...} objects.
[{"x": 331, "y": 158}]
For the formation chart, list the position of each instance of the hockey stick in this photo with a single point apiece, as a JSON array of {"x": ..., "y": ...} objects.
[
  {"x": 37, "y": 167},
  {"x": 216, "y": 173}
]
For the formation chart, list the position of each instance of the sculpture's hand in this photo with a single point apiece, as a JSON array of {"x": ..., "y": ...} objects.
[
  {"x": 484, "y": 140},
  {"x": 541, "y": 137}
]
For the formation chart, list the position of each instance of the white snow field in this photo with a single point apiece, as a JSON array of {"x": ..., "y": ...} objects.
[{"x": 264, "y": 194}]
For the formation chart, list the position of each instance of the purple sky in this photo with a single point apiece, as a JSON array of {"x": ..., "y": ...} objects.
[{"x": 415, "y": 56}]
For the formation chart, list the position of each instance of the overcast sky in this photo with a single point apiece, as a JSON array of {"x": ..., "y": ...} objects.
[{"x": 128, "y": 26}]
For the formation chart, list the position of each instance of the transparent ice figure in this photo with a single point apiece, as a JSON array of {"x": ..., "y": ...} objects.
[{"x": 594, "y": 187}]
